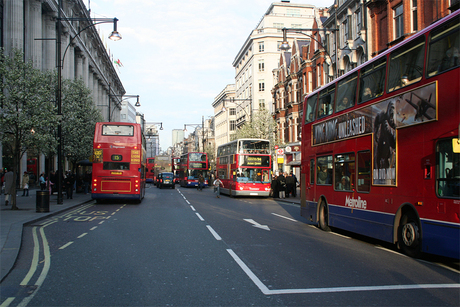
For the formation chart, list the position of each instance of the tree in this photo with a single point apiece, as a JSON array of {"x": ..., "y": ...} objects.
[
  {"x": 28, "y": 115},
  {"x": 79, "y": 119},
  {"x": 262, "y": 126}
]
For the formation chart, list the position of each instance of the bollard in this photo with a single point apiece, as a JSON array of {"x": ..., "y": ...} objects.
[{"x": 43, "y": 201}]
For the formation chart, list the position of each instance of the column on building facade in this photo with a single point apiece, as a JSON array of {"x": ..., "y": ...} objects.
[
  {"x": 79, "y": 66},
  {"x": 13, "y": 25},
  {"x": 34, "y": 24},
  {"x": 49, "y": 46}
]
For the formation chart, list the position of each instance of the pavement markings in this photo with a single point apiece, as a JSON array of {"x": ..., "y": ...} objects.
[
  {"x": 7, "y": 302},
  {"x": 82, "y": 235},
  {"x": 216, "y": 236},
  {"x": 199, "y": 216},
  {"x": 285, "y": 217},
  {"x": 66, "y": 245}
]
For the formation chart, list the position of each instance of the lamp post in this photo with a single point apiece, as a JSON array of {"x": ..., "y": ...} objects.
[
  {"x": 114, "y": 36},
  {"x": 285, "y": 45},
  {"x": 202, "y": 130},
  {"x": 127, "y": 97},
  {"x": 239, "y": 105}
]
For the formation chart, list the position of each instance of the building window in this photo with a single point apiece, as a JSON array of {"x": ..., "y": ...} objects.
[
  {"x": 399, "y": 21},
  {"x": 232, "y": 125},
  {"x": 261, "y": 47},
  {"x": 345, "y": 32},
  {"x": 232, "y": 111},
  {"x": 261, "y": 85},
  {"x": 261, "y": 104},
  {"x": 278, "y": 26},
  {"x": 293, "y": 12},
  {"x": 261, "y": 65},
  {"x": 358, "y": 22},
  {"x": 414, "y": 16},
  {"x": 296, "y": 25}
]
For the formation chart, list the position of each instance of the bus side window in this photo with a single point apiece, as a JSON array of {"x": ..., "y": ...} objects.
[
  {"x": 324, "y": 170},
  {"x": 372, "y": 80},
  {"x": 364, "y": 171},
  {"x": 406, "y": 65},
  {"x": 311, "y": 108},
  {"x": 344, "y": 172},
  {"x": 326, "y": 101},
  {"x": 346, "y": 92},
  {"x": 312, "y": 171},
  {"x": 443, "y": 52},
  {"x": 448, "y": 170}
]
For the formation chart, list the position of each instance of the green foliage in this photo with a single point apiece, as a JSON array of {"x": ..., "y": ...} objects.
[
  {"x": 28, "y": 114},
  {"x": 262, "y": 125},
  {"x": 79, "y": 119}
]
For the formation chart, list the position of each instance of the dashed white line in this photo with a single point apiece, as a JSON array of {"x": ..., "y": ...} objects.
[
  {"x": 65, "y": 245},
  {"x": 199, "y": 216},
  {"x": 285, "y": 217},
  {"x": 216, "y": 236},
  {"x": 193, "y": 208},
  {"x": 82, "y": 235}
]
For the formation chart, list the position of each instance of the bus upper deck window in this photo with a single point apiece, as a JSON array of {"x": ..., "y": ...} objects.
[
  {"x": 406, "y": 65},
  {"x": 372, "y": 80},
  {"x": 444, "y": 48},
  {"x": 311, "y": 108}
]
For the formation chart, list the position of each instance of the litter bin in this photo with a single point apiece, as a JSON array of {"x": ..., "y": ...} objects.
[{"x": 43, "y": 201}]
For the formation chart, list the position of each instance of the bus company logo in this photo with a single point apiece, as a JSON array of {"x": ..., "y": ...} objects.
[{"x": 356, "y": 203}]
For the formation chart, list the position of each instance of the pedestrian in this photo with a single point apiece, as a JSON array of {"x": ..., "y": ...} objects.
[
  {"x": 9, "y": 186},
  {"x": 200, "y": 182},
  {"x": 87, "y": 181},
  {"x": 294, "y": 191},
  {"x": 282, "y": 187},
  {"x": 276, "y": 187},
  {"x": 50, "y": 185},
  {"x": 290, "y": 185},
  {"x": 25, "y": 184},
  {"x": 217, "y": 183},
  {"x": 69, "y": 183},
  {"x": 42, "y": 181}
]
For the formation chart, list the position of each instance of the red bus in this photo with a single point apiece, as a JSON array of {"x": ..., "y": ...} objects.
[
  {"x": 149, "y": 169},
  {"x": 192, "y": 165},
  {"x": 163, "y": 163},
  {"x": 119, "y": 158},
  {"x": 176, "y": 168},
  {"x": 244, "y": 166},
  {"x": 380, "y": 146}
]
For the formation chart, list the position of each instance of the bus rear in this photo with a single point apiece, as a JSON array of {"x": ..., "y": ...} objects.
[
  {"x": 150, "y": 171},
  {"x": 193, "y": 164},
  {"x": 118, "y": 162}
]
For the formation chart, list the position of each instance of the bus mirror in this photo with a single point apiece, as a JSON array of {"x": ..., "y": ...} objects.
[{"x": 456, "y": 145}]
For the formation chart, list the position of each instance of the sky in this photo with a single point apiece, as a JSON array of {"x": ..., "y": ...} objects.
[{"x": 177, "y": 55}]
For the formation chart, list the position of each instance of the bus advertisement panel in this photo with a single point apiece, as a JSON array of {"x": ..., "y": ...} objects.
[
  {"x": 163, "y": 164},
  {"x": 244, "y": 166},
  {"x": 150, "y": 170},
  {"x": 192, "y": 165},
  {"x": 380, "y": 146},
  {"x": 119, "y": 158}
]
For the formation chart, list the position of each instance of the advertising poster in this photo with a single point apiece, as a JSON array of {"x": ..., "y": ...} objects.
[{"x": 382, "y": 119}]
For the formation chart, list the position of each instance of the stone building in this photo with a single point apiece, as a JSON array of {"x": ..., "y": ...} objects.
[{"x": 31, "y": 26}]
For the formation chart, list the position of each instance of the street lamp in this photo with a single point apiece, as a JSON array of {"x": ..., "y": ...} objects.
[
  {"x": 285, "y": 45},
  {"x": 196, "y": 126},
  {"x": 239, "y": 105},
  {"x": 126, "y": 98},
  {"x": 59, "y": 64}
]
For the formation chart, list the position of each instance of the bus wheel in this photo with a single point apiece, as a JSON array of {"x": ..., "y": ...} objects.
[
  {"x": 409, "y": 239},
  {"x": 323, "y": 217}
]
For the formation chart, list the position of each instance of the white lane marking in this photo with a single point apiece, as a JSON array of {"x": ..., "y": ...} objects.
[
  {"x": 65, "y": 245},
  {"x": 267, "y": 291},
  {"x": 199, "y": 216},
  {"x": 216, "y": 236},
  {"x": 255, "y": 224},
  {"x": 187, "y": 201},
  {"x": 82, "y": 235},
  {"x": 193, "y": 208},
  {"x": 101, "y": 222},
  {"x": 339, "y": 235},
  {"x": 250, "y": 274},
  {"x": 93, "y": 228},
  {"x": 285, "y": 217}
]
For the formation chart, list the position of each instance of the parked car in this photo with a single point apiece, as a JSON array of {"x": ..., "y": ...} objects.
[{"x": 165, "y": 180}]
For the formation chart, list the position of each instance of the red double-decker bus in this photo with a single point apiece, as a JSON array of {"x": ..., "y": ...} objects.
[
  {"x": 244, "y": 166},
  {"x": 149, "y": 170},
  {"x": 119, "y": 158},
  {"x": 380, "y": 146},
  {"x": 192, "y": 165}
]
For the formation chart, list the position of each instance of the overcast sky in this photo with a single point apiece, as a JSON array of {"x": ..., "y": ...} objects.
[{"x": 178, "y": 54}]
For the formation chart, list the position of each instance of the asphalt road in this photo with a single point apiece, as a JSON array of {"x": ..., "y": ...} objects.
[{"x": 183, "y": 247}]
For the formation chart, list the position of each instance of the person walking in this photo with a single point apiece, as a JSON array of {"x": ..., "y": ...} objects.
[
  {"x": 25, "y": 184},
  {"x": 217, "y": 183},
  {"x": 290, "y": 185},
  {"x": 200, "y": 182},
  {"x": 9, "y": 186},
  {"x": 276, "y": 187},
  {"x": 282, "y": 187},
  {"x": 69, "y": 183}
]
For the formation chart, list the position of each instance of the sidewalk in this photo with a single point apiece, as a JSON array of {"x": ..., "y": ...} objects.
[
  {"x": 12, "y": 222},
  {"x": 291, "y": 199}
]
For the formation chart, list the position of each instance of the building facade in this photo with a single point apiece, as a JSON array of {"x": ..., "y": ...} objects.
[
  {"x": 224, "y": 115},
  {"x": 31, "y": 26}
]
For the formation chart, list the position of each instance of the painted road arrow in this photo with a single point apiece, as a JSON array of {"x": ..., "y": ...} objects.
[{"x": 255, "y": 224}]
